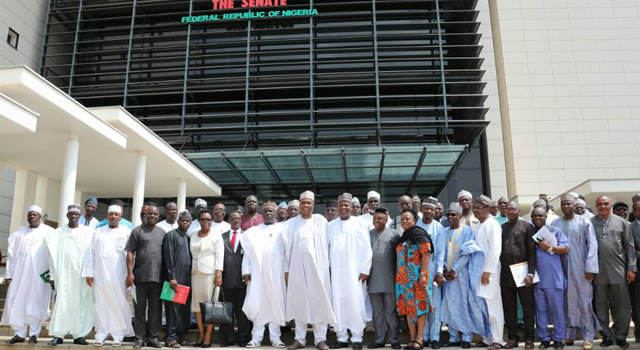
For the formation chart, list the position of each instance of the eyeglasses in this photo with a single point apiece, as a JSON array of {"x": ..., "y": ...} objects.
[{"x": 205, "y": 220}]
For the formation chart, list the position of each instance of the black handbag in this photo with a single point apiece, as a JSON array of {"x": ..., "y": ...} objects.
[{"x": 217, "y": 312}]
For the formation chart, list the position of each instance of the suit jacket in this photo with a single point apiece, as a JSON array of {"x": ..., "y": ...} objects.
[
  {"x": 635, "y": 231},
  {"x": 232, "y": 273}
]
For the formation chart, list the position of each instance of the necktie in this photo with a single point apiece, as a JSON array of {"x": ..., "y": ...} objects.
[{"x": 233, "y": 240}]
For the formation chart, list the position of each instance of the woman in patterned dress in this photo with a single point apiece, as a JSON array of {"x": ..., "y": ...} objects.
[{"x": 413, "y": 250}]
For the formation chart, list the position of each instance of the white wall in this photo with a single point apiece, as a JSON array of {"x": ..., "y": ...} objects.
[
  {"x": 572, "y": 89},
  {"x": 27, "y": 18}
]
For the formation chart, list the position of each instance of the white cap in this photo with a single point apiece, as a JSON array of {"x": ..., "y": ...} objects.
[
  {"x": 115, "y": 209},
  {"x": 464, "y": 194},
  {"x": 294, "y": 203},
  {"x": 307, "y": 195},
  {"x": 200, "y": 203},
  {"x": 355, "y": 200},
  {"x": 35, "y": 208},
  {"x": 373, "y": 194}
]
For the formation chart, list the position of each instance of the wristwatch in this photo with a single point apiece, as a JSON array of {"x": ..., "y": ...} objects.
[
  {"x": 550, "y": 250},
  {"x": 531, "y": 275}
]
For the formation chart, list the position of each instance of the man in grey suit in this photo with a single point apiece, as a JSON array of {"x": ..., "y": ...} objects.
[
  {"x": 634, "y": 288},
  {"x": 381, "y": 285}
]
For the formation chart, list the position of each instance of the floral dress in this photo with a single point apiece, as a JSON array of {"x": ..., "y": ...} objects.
[{"x": 412, "y": 298}]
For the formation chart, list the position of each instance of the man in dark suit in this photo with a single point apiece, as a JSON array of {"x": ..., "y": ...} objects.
[{"x": 233, "y": 288}]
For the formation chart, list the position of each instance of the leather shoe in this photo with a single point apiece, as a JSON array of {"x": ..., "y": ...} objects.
[
  {"x": 15, "y": 340},
  {"x": 339, "y": 345},
  {"x": 512, "y": 343},
  {"x": 322, "y": 345},
  {"x": 80, "y": 341},
  {"x": 154, "y": 344},
  {"x": 435, "y": 344},
  {"x": 606, "y": 342},
  {"x": 466, "y": 345},
  {"x": 376, "y": 345},
  {"x": 480, "y": 345},
  {"x": 395, "y": 346},
  {"x": 622, "y": 343},
  {"x": 224, "y": 344},
  {"x": 528, "y": 344},
  {"x": 559, "y": 344},
  {"x": 356, "y": 346},
  {"x": 138, "y": 344},
  {"x": 55, "y": 341},
  {"x": 449, "y": 345},
  {"x": 33, "y": 339},
  {"x": 295, "y": 345},
  {"x": 545, "y": 344}
]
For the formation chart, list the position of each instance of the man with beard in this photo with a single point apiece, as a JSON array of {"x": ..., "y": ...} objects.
[{"x": 27, "y": 303}]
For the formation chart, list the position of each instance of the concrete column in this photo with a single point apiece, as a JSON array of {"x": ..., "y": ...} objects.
[
  {"x": 42, "y": 182},
  {"x": 182, "y": 195},
  {"x": 19, "y": 207},
  {"x": 68, "y": 181},
  {"x": 138, "y": 188}
]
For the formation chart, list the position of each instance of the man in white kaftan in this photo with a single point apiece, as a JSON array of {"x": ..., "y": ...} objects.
[
  {"x": 262, "y": 271},
  {"x": 68, "y": 247},
  {"x": 27, "y": 301},
  {"x": 489, "y": 237},
  {"x": 105, "y": 270},
  {"x": 306, "y": 268},
  {"x": 350, "y": 260}
]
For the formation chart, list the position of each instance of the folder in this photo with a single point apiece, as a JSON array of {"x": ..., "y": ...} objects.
[{"x": 179, "y": 295}]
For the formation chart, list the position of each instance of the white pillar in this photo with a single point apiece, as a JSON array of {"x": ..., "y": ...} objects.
[
  {"x": 68, "y": 181},
  {"x": 138, "y": 188},
  {"x": 42, "y": 182},
  {"x": 182, "y": 195},
  {"x": 19, "y": 207}
]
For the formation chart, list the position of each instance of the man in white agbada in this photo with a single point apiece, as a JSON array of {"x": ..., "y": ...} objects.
[
  {"x": 373, "y": 203},
  {"x": 262, "y": 272},
  {"x": 350, "y": 260},
  {"x": 27, "y": 302},
  {"x": 489, "y": 237},
  {"x": 306, "y": 269},
  {"x": 105, "y": 270},
  {"x": 68, "y": 248}
]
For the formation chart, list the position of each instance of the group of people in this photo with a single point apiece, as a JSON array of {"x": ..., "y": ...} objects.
[{"x": 472, "y": 266}]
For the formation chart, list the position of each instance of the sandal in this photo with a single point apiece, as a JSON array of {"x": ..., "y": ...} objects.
[{"x": 417, "y": 348}]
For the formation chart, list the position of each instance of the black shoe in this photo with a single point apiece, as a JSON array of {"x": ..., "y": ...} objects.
[
  {"x": 80, "y": 341},
  {"x": 449, "y": 345},
  {"x": 154, "y": 344},
  {"x": 622, "y": 343},
  {"x": 395, "y": 346},
  {"x": 435, "y": 344},
  {"x": 376, "y": 345},
  {"x": 339, "y": 345},
  {"x": 242, "y": 344},
  {"x": 480, "y": 345},
  {"x": 138, "y": 344},
  {"x": 15, "y": 340},
  {"x": 466, "y": 345},
  {"x": 558, "y": 345},
  {"x": 55, "y": 341},
  {"x": 357, "y": 346},
  {"x": 33, "y": 339},
  {"x": 545, "y": 344},
  {"x": 606, "y": 342},
  {"x": 224, "y": 344}
]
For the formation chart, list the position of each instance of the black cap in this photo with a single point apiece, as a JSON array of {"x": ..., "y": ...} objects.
[{"x": 332, "y": 204}]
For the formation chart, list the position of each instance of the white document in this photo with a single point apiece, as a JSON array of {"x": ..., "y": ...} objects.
[
  {"x": 132, "y": 290},
  {"x": 546, "y": 235},
  {"x": 520, "y": 272}
]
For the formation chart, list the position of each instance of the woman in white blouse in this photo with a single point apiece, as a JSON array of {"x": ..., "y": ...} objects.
[{"x": 207, "y": 250}]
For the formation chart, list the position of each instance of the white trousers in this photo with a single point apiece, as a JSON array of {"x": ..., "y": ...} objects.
[
  {"x": 496, "y": 321},
  {"x": 257, "y": 333},
  {"x": 356, "y": 336},
  {"x": 34, "y": 329},
  {"x": 319, "y": 332},
  {"x": 101, "y": 335}
]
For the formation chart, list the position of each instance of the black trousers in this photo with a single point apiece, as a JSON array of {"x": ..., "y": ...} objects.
[
  {"x": 510, "y": 306},
  {"x": 148, "y": 296},
  {"x": 178, "y": 320},
  {"x": 236, "y": 297}
]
